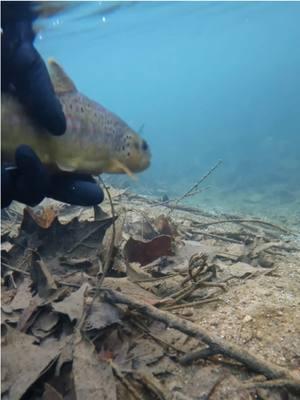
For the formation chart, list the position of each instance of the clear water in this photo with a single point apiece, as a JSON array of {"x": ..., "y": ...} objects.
[{"x": 209, "y": 81}]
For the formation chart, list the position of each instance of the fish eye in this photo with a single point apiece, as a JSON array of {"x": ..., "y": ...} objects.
[{"x": 144, "y": 145}]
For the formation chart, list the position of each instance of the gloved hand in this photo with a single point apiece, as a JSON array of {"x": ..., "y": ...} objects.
[
  {"x": 29, "y": 182},
  {"x": 24, "y": 73}
]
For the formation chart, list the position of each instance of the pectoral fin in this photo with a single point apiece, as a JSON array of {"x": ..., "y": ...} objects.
[
  {"x": 66, "y": 168},
  {"x": 118, "y": 165}
]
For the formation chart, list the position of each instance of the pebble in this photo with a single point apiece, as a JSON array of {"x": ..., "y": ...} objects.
[{"x": 247, "y": 318}]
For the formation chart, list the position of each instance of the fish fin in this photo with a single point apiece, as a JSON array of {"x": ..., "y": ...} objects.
[
  {"x": 60, "y": 80},
  {"x": 65, "y": 168},
  {"x": 123, "y": 168},
  {"x": 141, "y": 129}
]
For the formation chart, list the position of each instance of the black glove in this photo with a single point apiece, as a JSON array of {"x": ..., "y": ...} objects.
[
  {"x": 23, "y": 70},
  {"x": 24, "y": 73},
  {"x": 29, "y": 182}
]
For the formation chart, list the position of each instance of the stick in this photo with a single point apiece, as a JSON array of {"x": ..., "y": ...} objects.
[
  {"x": 15, "y": 269},
  {"x": 112, "y": 244},
  {"x": 87, "y": 309},
  {"x": 238, "y": 220},
  {"x": 218, "y": 237},
  {"x": 226, "y": 348},
  {"x": 195, "y": 186}
]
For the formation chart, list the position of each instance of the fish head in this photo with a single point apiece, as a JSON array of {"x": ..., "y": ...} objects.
[{"x": 134, "y": 152}]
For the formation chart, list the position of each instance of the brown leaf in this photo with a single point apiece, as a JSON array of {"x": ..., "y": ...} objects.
[
  {"x": 75, "y": 239},
  {"x": 102, "y": 315},
  {"x": 144, "y": 252},
  {"x": 93, "y": 377},
  {"x": 73, "y": 305},
  {"x": 164, "y": 226},
  {"x": 43, "y": 217},
  {"x": 24, "y": 362}
]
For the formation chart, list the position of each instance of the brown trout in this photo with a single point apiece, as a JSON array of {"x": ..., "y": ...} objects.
[{"x": 96, "y": 140}]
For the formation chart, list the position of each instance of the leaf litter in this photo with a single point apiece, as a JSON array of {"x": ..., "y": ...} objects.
[{"x": 184, "y": 295}]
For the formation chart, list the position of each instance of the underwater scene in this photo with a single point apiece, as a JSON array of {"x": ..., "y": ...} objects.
[
  {"x": 150, "y": 226},
  {"x": 202, "y": 82}
]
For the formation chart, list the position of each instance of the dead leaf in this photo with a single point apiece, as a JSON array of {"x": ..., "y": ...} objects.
[
  {"x": 23, "y": 363},
  {"x": 139, "y": 226},
  {"x": 6, "y": 246},
  {"x": 144, "y": 252},
  {"x": 164, "y": 226},
  {"x": 8, "y": 316},
  {"x": 44, "y": 324},
  {"x": 76, "y": 239},
  {"x": 102, "y": 315},
  {"x": 44, "y": 216},
  {"x": 42, "y": 279},
  {"x": 239, "y": 269},
  {"x": 66, "y": 355},
  {"x": 51, "y": 394},
  {"x": 23, "y": 296},
  {"x": 29, "y": 315},
  {"x": 135, "y": 272},
  {"x": 93, "y": 377},
  {"x": 73, "y": 305}
]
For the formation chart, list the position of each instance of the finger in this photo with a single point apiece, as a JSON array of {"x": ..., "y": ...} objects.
[
  {"x": 35, "y": 90},
  {"x": 32, "y": 181},
  {"x": 75, "y": 189}
]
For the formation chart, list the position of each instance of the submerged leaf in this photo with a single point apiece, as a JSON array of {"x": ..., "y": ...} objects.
[
  {"x": 144, "y": 252},
  {"x": 42, "y": 279},
  {"x": 102, "y": 315},
  {"x": 93, "y": 377},
  {"x": 73, "y": 305},
  {"x": 43, "y": 217},
  {"x": 23, "y": 363}
]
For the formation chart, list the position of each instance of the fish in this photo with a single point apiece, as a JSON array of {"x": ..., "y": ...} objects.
[{"x": 96, "y": 140}]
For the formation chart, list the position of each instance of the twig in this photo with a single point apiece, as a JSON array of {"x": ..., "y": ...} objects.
[
  {"x": 269, "y": 384},
  {"x": 238, "y": 220},
  {"x": 229, "y": 349},
  {"x": 112, "y": 244},
  {"x": 152, "y": 384},
  {"x": 192, "y": 304},
  {"x": 88, "y": 308},
  {"x": 154, "y": 337},
  {"x": 218, "y": 237},
  {"x": 15, "y": 269},
  {"x": 192, "y": 356},
  {"x": 124, "y": 380},
  {"x": 195, "y": 186}
]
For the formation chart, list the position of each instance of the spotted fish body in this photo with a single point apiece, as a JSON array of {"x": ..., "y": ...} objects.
[{"x": 96, "y": 140}]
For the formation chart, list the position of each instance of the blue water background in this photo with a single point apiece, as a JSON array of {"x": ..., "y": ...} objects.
[{"x": 208, "y": 80}]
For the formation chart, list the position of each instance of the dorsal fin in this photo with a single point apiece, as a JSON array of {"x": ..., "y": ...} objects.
[{"x": 60, "y": 80}]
